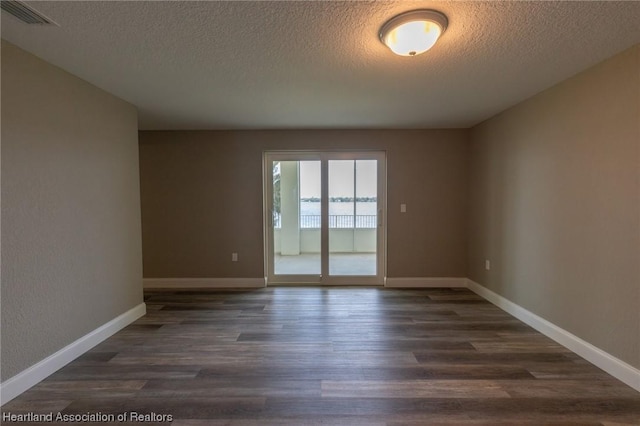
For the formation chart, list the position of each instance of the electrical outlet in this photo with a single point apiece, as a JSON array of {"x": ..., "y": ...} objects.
[
  {"x": 403, "y": 208},
  {"x": 487, "y": 265},
  {"x": 234, "y": 257}
]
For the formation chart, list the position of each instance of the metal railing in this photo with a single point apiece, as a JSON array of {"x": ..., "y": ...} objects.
[{"x": 339, "y": 221}]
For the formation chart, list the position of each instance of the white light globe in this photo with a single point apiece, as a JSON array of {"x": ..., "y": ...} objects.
[
  {"x": 413, "y": 33},
  {"x": 413, "y": 38}
]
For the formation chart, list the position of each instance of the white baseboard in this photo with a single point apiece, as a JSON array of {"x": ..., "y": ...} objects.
[
  {"x": 191, "y": 283},
  {"x": 612, "y": 365},
  {"x": 24, "y": 380},
  {"x": 425, "y": 282}
]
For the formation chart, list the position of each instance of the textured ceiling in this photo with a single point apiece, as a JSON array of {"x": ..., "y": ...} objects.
[{"x": 319, "y": 64}]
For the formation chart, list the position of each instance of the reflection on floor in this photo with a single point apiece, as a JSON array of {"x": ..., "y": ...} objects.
[{"x": 339, "y": 264}]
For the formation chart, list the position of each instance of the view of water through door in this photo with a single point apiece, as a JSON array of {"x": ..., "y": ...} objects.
[
  {"x": 324, "y": 217},
  {"x": 353, "y": 217}
]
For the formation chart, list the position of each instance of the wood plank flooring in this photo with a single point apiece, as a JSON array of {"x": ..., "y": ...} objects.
[{"x": 334, "y": 356}]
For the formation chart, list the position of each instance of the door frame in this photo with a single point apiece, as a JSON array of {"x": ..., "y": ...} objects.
[{"x": 268, "y": 229}]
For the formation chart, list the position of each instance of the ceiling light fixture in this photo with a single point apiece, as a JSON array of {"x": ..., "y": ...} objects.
[{"x": 412, "y": 33}]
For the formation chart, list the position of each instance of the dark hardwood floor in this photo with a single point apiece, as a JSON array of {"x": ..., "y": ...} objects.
[{"x": 352, "y": 356}]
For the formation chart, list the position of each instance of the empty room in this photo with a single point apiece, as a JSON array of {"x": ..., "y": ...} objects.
[{"x": 320, "y": 212}]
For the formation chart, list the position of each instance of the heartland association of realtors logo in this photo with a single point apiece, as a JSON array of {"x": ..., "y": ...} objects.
[{"x": 99, "y": 417}]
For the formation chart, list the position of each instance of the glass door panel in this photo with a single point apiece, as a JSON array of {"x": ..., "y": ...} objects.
[
  {"x": 296, "y": 218},
  {"x": 353, "y": 207},
  {"x": 323, "y": 217}
]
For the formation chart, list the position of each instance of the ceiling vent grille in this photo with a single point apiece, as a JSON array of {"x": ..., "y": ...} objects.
[{"x": 25, "y": 13}]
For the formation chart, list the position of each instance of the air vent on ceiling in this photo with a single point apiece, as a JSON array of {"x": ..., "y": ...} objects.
[{"x": 25, "y": 13}]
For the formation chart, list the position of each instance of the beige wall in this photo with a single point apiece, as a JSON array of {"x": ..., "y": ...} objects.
[
  {"x": 71, "y": 249},
  {"x": 202, "y": 198},
  {"x": 555, "y": 205}
]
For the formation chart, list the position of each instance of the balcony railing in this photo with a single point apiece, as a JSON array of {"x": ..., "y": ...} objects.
[{"x": 340, "y": 221}]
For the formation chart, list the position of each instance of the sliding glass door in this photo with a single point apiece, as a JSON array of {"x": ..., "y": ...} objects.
[{"x": 324, "y": 219}]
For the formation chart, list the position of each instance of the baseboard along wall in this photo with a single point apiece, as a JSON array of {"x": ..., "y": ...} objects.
[
  {"x": 26, "y": 379},
  {"x": 617, "y": 368},
  {"x": 425, "y": 282},
  {"x": 195, "y": 283}
]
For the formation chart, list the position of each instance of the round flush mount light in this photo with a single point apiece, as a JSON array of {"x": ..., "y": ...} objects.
[{"x": 412, "y": 33}]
